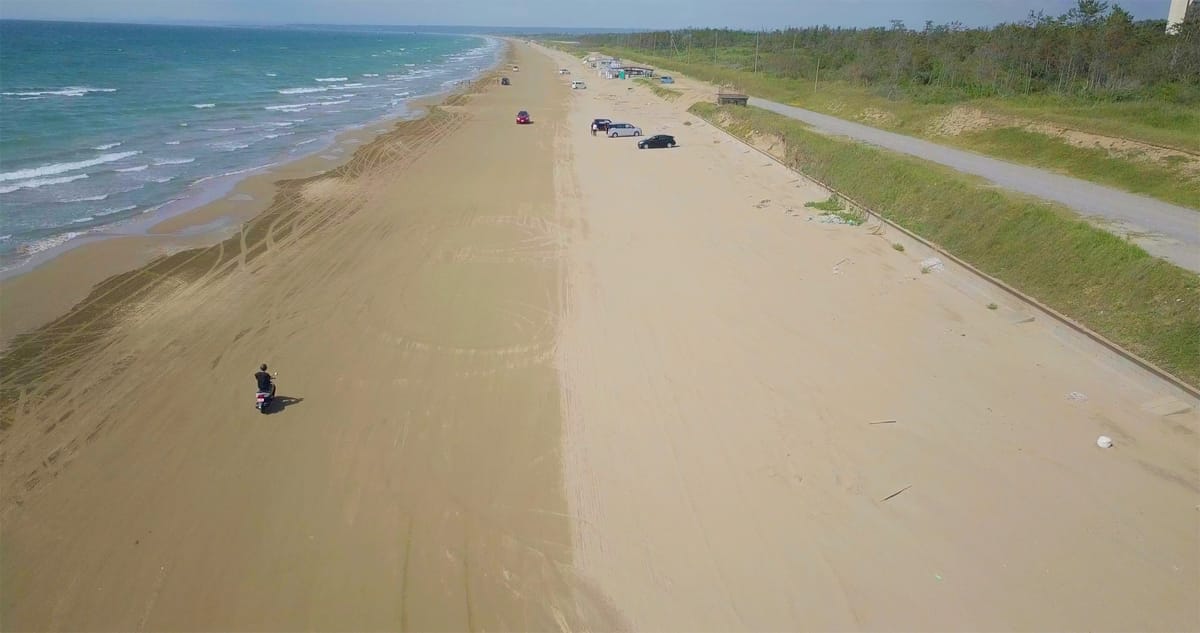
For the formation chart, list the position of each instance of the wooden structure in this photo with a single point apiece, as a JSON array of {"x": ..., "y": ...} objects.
[{"x": 732, "y": 98}]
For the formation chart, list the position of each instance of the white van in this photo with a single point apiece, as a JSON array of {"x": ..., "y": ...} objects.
[{"x": 578, "y": 85}]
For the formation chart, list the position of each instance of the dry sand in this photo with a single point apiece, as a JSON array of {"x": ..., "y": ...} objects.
[{"x": 534, "y": 380}]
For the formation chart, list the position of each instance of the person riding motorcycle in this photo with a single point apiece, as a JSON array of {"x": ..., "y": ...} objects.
[{"x": 265, "y": 385}]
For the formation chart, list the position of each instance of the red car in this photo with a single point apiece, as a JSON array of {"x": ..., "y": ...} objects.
[{"x": 523, "y": 117}]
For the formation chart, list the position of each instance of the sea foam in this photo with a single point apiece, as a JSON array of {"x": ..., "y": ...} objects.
[
  {"x": 69, "y": 91},
  {"x": 86, "y": 199},
  {"x": 300, "y": 91},
  {"x": 59, "y": 168},
  {"x": 40, "y": 182}
]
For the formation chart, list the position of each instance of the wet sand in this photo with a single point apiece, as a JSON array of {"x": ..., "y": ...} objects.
[{"x": 531, "y": 379}]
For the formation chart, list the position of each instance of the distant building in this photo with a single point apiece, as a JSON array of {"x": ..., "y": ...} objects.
[
  {"x": 637, "y": 71},
  {"x": 1176, "y": 14}
]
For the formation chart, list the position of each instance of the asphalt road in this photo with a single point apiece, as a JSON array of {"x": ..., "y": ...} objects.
[{"x": 1165, "y": 230}]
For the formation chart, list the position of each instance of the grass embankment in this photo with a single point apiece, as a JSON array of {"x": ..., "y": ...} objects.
[
  {"x": 1000, "y": 126},
  {"x": 656, "y": 87},
  {"x": 1143, "y": 303}
]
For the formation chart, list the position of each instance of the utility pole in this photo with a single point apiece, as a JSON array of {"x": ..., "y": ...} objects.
[
  {"x": 757, "y": 36},
  {"x": 817, "y": 77}
]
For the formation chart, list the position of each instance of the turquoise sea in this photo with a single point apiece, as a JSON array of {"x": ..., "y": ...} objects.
[{"x": 102, "y": 124}]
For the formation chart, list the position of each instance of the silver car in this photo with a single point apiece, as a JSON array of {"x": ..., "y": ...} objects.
[{"x": 623, "y": 129}]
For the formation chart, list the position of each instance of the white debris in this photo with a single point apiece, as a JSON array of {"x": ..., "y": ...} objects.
[
  {"x": 1104, "y": 441},
  {"x": 828, "y": 219},
  {"x": 932, "y": 265},
  {"x": 1075, "y": 395}
]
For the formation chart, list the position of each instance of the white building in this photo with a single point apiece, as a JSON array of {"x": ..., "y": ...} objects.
[{"x": 1175, "y": 14}]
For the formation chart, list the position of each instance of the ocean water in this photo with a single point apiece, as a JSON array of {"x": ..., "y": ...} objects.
[{"x": 101, "y": 124}]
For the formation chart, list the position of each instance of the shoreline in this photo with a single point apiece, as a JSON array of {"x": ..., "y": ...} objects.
[{"x": 74, "y": 268}]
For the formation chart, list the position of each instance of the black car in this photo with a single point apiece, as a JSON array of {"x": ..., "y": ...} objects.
[
  {"x": 658, "y": 140},
  {"x": 601, "y": 125}
]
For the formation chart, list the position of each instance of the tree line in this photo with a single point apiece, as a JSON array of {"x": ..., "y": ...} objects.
[{"x": 1094, "y": 50}]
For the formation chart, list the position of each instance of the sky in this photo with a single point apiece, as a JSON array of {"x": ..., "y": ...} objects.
[{"x": 636, "y": 14}]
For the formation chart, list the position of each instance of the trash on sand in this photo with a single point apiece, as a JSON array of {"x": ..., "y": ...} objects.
[
  {"x": 896, "y": 493},
  {"x": 836, "y": 270},
  {"x": 932, "y": 265},
  {"x": 1104, "y": 441},
  {"x": 828, "y": 219},
  {"x": 1075, "y": 395},
  {"x": 883, "y": 422}
]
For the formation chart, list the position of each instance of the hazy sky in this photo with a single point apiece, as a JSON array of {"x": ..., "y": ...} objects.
[{"x": 563, "y": 13}]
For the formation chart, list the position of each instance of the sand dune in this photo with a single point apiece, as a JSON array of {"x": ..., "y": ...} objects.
[{"x": 536, "y": 380}]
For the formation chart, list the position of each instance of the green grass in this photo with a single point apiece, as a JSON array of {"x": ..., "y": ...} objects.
[
  {"x": 1155, "y": 122},
  {"x": 833, "y": 206},
  {"x": 1143, "y": 303},
  {"x": 830, "y": 204},
  {"x": 656, "y": 88}
]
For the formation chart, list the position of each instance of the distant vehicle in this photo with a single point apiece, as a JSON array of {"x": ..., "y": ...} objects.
[
  {"x": 601, "y": 124},
  {"x": 623, "y": 129},
  {"x": 578, "y": 85},
  {"x": 523, "y": 118},
  {"x": 666, "y": 79},
  {"x": 657, "y": 141},
  {"x": 516, "y": 69},
  {"x": 504, "y": 81}
]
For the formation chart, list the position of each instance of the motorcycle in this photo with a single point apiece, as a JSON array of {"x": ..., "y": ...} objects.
[{"x": 263, "y": 399}]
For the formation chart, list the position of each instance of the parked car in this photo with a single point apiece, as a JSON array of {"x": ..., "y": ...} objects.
[
  {"x": 516, "y": 69},
  {"x": 504, "y": 81},
  {"x": 666, "y": 79},
  {"x": 623, "y": 129},
  {"x": 601, "y": 124},
  {"x": 657, "y": 141},
  {"x": 523, "y": 118},
  {"x": 578, "y": 85}
]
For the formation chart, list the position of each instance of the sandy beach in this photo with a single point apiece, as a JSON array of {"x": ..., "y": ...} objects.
[{"x": 533, "y": 379}]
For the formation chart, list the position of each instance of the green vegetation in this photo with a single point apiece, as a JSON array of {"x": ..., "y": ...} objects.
[
  {"x": 658, "y": 89},
  {"x": 992, "y": 306},
  {"x": 897, "y": 246},
  {"x": 1095, "y": 51},
  {"x": 830, "y": 204},
  {"x": 833, "y": 206},
  {"x": 1092, "y": 70},
  {"x": 1141, "y": 302}
]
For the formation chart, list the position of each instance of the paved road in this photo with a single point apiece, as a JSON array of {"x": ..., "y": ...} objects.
[{"x": 1166, "y": 230}]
